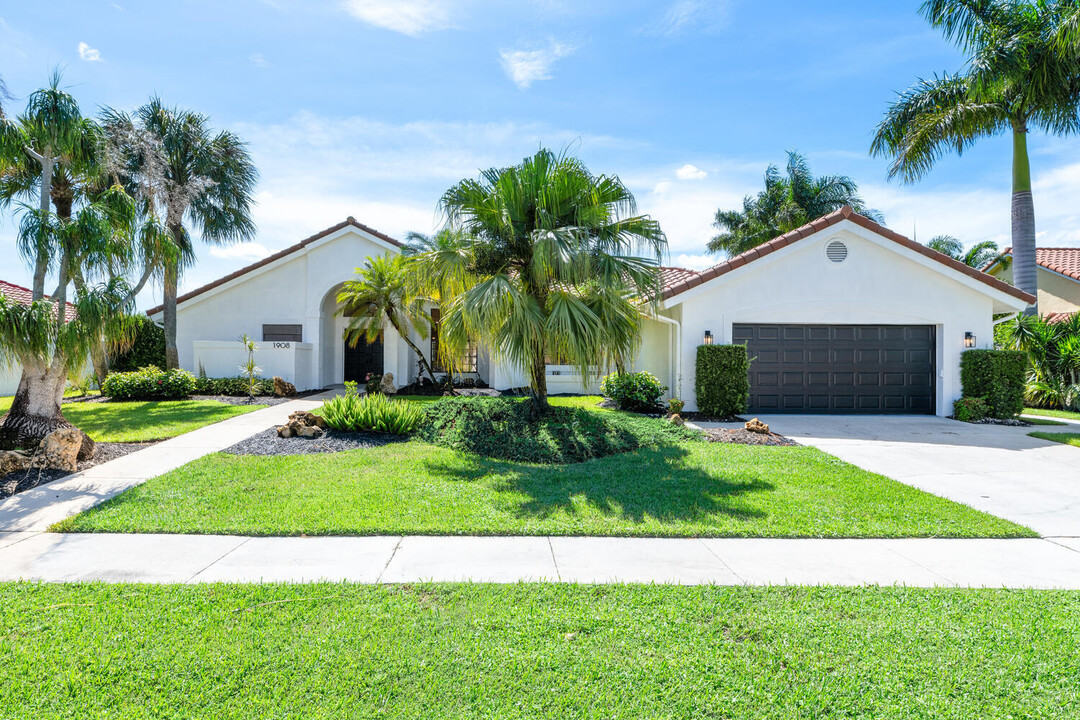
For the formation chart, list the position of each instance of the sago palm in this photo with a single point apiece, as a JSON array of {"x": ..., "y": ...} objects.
[
  {"x": 789, "y": 200},
  {"x": 558, "y": 265},
  {"x": 192, "y": 178},
  {"x": 1017, "y": 79},
  {"x": 382, "y": 294}
]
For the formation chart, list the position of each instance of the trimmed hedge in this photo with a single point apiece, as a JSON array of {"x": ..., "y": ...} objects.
[
  {"x": 997, "y": 378},
  {"x": 722, "y": 385},
  {"x": 149, "y": 383},
  {"x": 232, "y": 387},
  {"x": 147, "y": 349},
  {"x": 635, "y": 392}
]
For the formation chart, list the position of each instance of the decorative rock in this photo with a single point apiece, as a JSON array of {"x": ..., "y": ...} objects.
[
  {"x": 386, "y": 385},
  {"x": 285, "y": 431},
  {"x": 677, "y": 420},
  {"x": 59, "y": 450},
  {"x": 303, "y": 424},
  {"x": 309, "y": 431},
  {"x": 283, "y": 388},
  {"x": 13, "y": 461},
  {"x": 757, "y": 426}
]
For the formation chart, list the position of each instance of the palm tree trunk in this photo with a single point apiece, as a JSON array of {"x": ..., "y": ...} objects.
[
  {"x": 41, "y": 263},
  {"x": 1025, "y": 268},
  {"x": 35, "y": 410},
  {"x": 423, "y": 360},
  {"x": 538, "y": 386},
  {"x": 172, "y": 271}
]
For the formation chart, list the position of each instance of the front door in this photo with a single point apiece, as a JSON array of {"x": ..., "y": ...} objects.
[{"x": 362, "y": 360}]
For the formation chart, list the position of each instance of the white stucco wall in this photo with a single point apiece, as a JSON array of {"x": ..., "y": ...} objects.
[
  {"x": 880, "y": 282},
  {"x": 291, "y": 290}
]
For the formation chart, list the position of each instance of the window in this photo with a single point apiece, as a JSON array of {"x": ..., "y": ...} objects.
[
  {"x": 467, "y": 364},
  {"x": 283, "y": 333}
]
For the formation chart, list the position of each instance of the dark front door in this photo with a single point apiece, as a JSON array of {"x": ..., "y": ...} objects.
[
  {"x": 365, "y": 358},
  {"x": 871, "y": 369}
]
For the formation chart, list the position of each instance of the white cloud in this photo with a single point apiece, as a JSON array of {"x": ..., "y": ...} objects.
[
  {"x": 88, "y": 53},
  {"x": 525, "y": 67},
  {"x": 690, "y": 172},
  {"x": 250, "y": 251},
  {"x": 409, "y": 17},
  {"x": 700, "y": 15},
  {"x": 258, "y": 60}
]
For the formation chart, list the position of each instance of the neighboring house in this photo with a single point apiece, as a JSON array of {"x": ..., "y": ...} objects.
[
  {"x": 10, "y": 374},
  {"x": 1058, "y": 275},
  {"x": 840, "y": 316}
]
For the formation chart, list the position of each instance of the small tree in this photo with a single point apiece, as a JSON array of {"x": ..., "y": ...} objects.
[{"x": 250, "y": 370}]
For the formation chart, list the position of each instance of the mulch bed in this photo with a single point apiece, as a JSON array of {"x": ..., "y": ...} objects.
[
  {"x": 739, "y": 436},
  {"x": 702, "y": 417},
  {"x": 266, "y": 400},
  {"x": 268, "y": 443},
  {"x": 17, "y": 482}
]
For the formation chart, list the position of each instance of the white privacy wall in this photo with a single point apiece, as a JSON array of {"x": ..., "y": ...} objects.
[{"x": 880, "y": 282}]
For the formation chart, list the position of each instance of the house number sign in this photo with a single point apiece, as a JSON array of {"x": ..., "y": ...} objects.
[{"x": 282, "y": 345}]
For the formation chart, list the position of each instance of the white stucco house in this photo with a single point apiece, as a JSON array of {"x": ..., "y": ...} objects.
[{"x": 840, "y": 316}]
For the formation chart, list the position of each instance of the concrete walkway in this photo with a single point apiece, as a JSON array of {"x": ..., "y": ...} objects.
[
  {"x": 37, "y": 509},
  {"x": 54, "y": 557},
  {"x": 993, "y": 468}
]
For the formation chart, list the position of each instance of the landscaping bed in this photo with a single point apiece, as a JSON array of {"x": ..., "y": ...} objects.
[
  {"x": 741, "y": 436},
  {"x": 237, "y": 652},
  {"x": 269, "y": 442},
  {"x": 20, "y": 481}
]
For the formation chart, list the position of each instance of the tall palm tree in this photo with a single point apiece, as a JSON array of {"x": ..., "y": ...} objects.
[
  {"x": 977, "y": 256},
  {"x": 789, "y": 200},
  {"x": 182, "y": 171},
  {"x": 380, "y": 295},
  {"x": 557, "y": 266},
  {"x": 1017, "y": 79}
]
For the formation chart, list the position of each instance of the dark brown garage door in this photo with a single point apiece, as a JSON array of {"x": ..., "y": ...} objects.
[{"x": 840, "y": 368}]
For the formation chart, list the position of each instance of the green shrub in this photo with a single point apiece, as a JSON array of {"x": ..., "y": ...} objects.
[
  {"x": 504, "y": 428},
  {"x": 636, "y": 392},
  {"x": 675, "y": 406},
  {"x": 997, "y": 378},
  {"x": 148, "y": 348},
  {"x": 373, "y": 413},
  {"x": 970, "y": 409},
  {"x": 232, "y": 387},
  {"x": 149, "y": 383},
  {"x": 722, "y": 384}
]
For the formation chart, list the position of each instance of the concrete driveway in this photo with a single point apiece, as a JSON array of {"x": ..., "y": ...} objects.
[{"x": 993, "y": 468}]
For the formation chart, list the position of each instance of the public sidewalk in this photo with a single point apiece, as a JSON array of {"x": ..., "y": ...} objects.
[
  {"x": 40, "y": 507},
  {"x": 1023, "y": 563}
]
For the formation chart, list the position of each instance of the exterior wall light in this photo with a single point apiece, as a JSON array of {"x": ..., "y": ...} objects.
[
  {"x": 969, "y": 340},
  {"x": 708, "y": 337}
]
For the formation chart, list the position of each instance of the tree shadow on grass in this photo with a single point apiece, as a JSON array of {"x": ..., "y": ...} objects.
[
  {"x": 109, "y": 419},
  {"x": 657, "y": 484}
]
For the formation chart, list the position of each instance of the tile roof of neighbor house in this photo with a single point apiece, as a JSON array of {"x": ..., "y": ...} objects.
[
  {"x": 277, "y": 256},
  {"x": 23, "y": 296},
  {"x": 1064, "y": 260},
  {"x": 670, "y": 276},
  {"x": 844, "y": 213}
]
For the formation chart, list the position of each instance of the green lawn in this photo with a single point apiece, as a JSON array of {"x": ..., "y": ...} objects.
[
  {"x": 687, "y": 489},
  {"x": 1043, "y": 421},
  {"x": 1053, "y": 413},
  {"x": 1066, "y": 438},
  {"x": 535, "y": 651},
  {"x": 142, "y": 421}
]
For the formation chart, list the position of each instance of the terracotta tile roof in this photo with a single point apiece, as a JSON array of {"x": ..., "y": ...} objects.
[
  {"x": 1063, "y": 260},
  {"x": 670, "y": 276},
  {"x": 1057, "y": 317},
  {"x": 844, "y": 213},
  {"x": 277, "y": 256},
  {"x": 23, "y": 296}
]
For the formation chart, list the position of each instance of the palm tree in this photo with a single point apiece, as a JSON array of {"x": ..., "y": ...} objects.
[
  {"x": 977, "y": 256},
  {"x": 555, "y": 267},
  {"x": 788, "y": 201},
  {"x": 1054, "y": 349},
  {"x": 382, "y": 294},
  {"x": 1017, "y": 79},
  {"x": 189, "y": 176}
]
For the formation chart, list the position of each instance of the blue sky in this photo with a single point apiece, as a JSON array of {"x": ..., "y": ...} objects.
[{"x": 372, "y": 108}]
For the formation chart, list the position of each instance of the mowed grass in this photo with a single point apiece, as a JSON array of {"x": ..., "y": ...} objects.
[
  {"x": 681, "y": 490},
  {"x": 535, "y": 651},
  {"x": 1068, "y": 415},
  {"x": 144, "y": 421},
  {"x": 1065, "y": 438}
]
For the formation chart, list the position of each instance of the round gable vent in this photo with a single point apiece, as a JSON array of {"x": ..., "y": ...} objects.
[{"x": 836, "y": 251}]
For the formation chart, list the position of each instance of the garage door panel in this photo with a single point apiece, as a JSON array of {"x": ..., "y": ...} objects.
[{"x": 840, "y": 368}]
